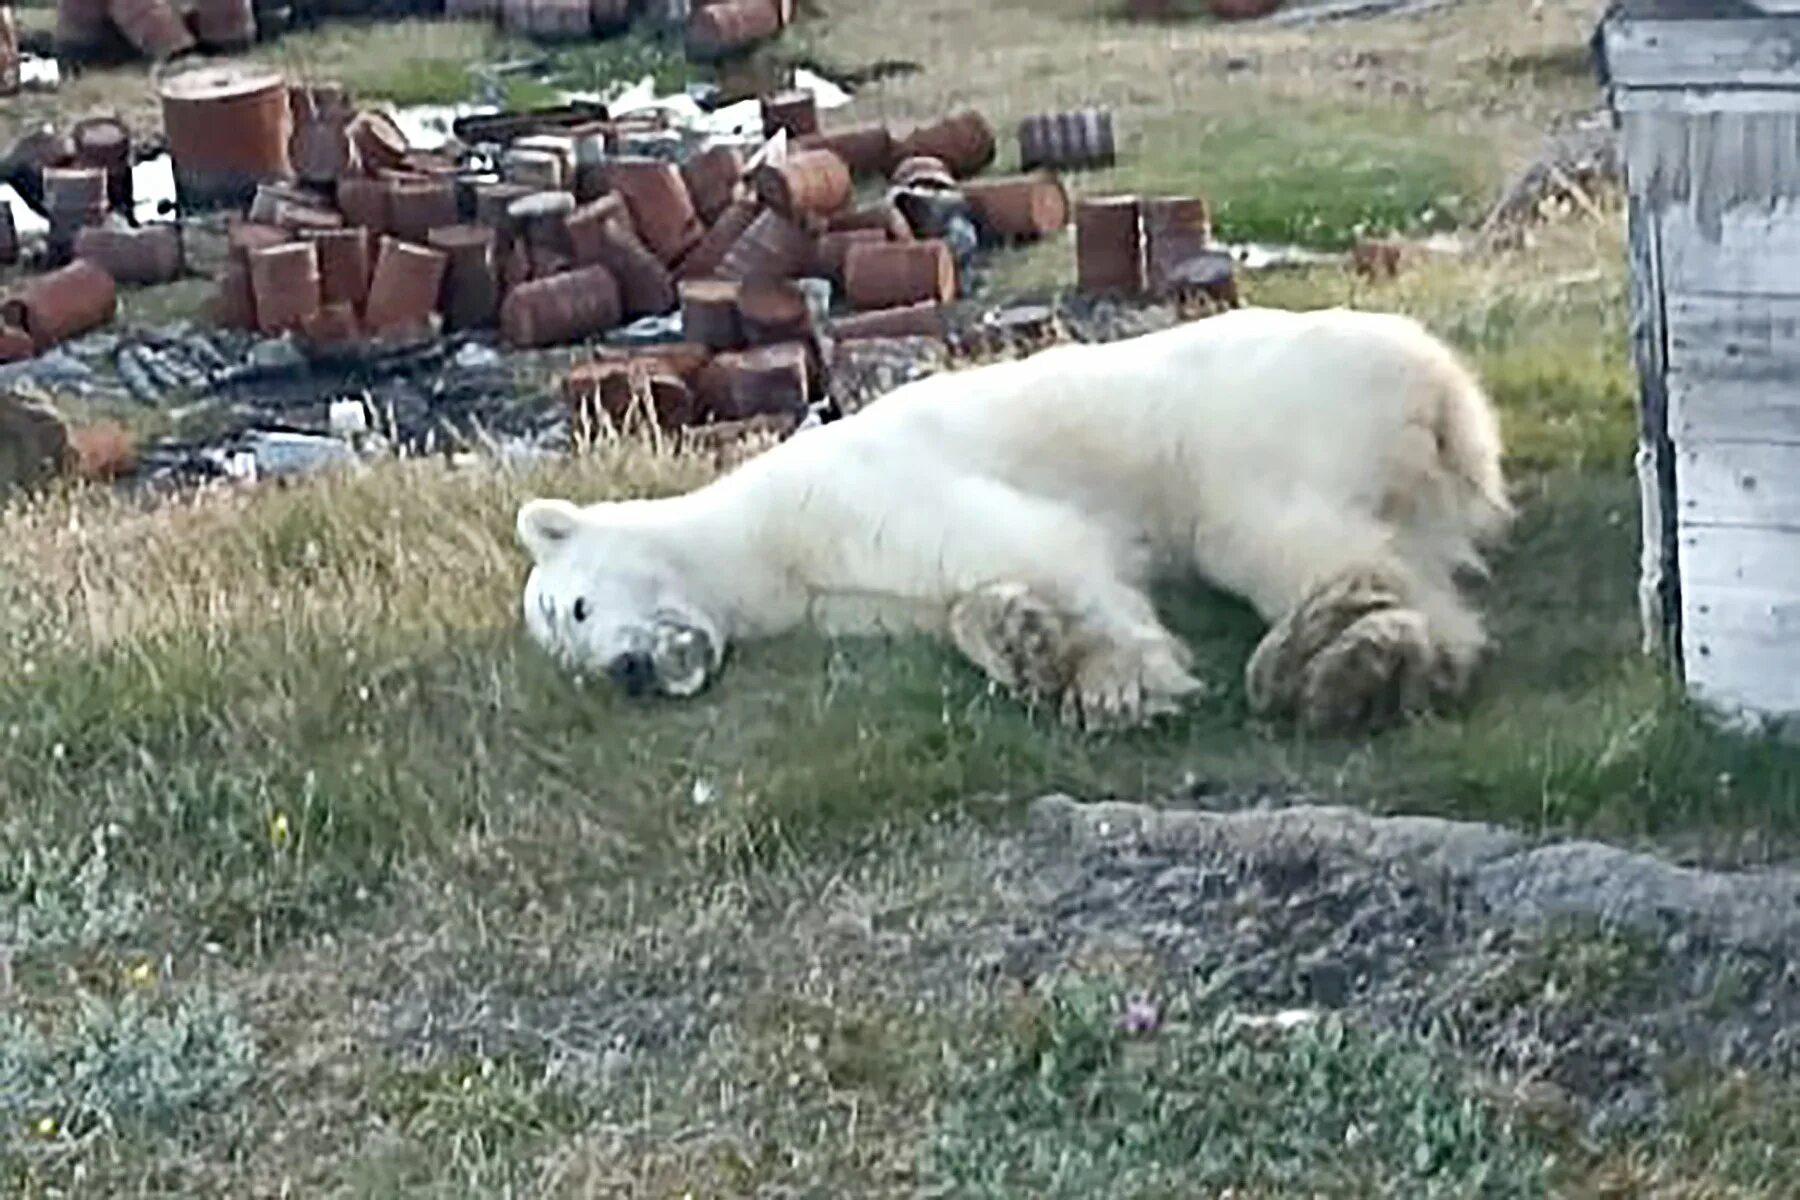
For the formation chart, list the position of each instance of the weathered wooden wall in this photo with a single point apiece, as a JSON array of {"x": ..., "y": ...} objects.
[{"x": 1710, "y": 114}]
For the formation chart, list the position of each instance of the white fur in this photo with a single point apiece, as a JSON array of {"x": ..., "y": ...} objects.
[{"x": 1267, "y": 450}]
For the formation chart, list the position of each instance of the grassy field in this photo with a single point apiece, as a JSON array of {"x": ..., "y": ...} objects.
[{"x": 318, "y": 881}]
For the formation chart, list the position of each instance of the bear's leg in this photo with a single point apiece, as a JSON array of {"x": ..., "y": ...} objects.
[
  {"x": 1358, "y": 635},
  {"x": 1097, "y": 648}
]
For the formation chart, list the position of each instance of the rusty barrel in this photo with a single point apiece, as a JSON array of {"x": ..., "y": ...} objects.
[
  {"x": 796, "y": 111},
  {"x": 104, "y": 142},
  {"x": 9, "y": 236},
  {"x": 585, "y": 227},
  {"x": 147, "y": 254},
  {"x": 563, "y": 308},
  {"x": 773, "y": 310},
  {"x": 709, "y": 313},
  {"x": 730, "y": 27},
  {"x": 712, "y": 178},
  {"x": 1073, "y": 140},
  {"x": 380, "y": 143},
  {"x": 15, "y": 345},
  {"x": 417, "y": 206},
  {"x": 710, "y": 251},
  {"x": 925, "y": 319},
  {"x": 762, "y": 381},
  {"x": 332, "y": 325},
  {"x": 1026, "y": 206},
  {"x": 364, "y": 201},
  {"x": 234, "y": 302},
  {"x": 1177, "y": 229},
  {"x": 225, "y": 25},
  {"x": 285, "y": 282},
  {"x": 404, "y": 291},
  {"x": 74, "y": 198},
  {"x": 547, "y": 19},
  {"x": 890, "y": 274},
  {"x": 471, "y": 290},
  {"x": 881, "y": 215},
  {"x": 1109, "y": 245},
  {"x": 662, "y": 211},
  {"x": 609, "y": 16},
  {"x": 865, "y": 149},
  {"x": 83, "y": 29},
  {"x": 813, "y": 182},
  {"x": 617, "y": 389},
  {"x": 832, "y": 248},
  {"x": 62, "y": 304},
  {"x": 645, "y": 286},
  {"x": 227, "y": 126},
  {"x": 963, "y": 140},
  {"x": 922, "y": 171},
  {"x": 152, "y": 26},
  {"x": 344, "y": 263},
  {"x": 772, "y": 246}
]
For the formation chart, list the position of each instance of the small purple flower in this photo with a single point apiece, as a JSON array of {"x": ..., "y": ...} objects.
[{"x": 1140, "y": 1016}]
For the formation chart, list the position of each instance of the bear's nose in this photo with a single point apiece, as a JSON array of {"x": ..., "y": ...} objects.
[{"x": 634, "y": 671}]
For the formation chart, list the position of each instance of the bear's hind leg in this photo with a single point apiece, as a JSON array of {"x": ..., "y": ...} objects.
[{"x": 1105, "y": 659}]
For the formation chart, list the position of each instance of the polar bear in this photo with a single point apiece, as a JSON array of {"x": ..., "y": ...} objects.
[{"x": 1337, "y": 469}]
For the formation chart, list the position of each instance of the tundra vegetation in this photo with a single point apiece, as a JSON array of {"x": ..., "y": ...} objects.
[{"x": 315, "y": 879}]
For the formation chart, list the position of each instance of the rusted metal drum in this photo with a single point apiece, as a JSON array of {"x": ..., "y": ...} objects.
[
  {"x": 244, "y": 238},
  {"x": 549, "y": 20},
  {"x": 964, "y": 141},
  {"x": 227, "y": 127},
  {"x": 709, "y": 313},
  {"x": 104, "y": 142},
  {"x": 152, "y": 26},
  {"x": 62, "y": 304},
  {"x": 883, "y": 216},
  {"x": 1026, "y": 206},
  {"x": 380, "y": 143},
  {"x": 147, "y": 254},
  {"x": 563, "y": 308},
  {"x": 292, "y": 209},
  {"x": 225, "y": 25},
  {"x": 865, "y": 149},
  {"x": 15, "y": 345},
  {"x": 730, "y": 27},
  {"x": 417, "y": 206},
  {"x": 773, "y": 310},
  {"x": 584, "y": 228},
  {"x": 645, "y": 286},
  {"x": 709, "y": 253},
  {"x": 332, "y": 325},
  {"x": 493, "y": 201},
  {"x": 471, "y": 290},
  {"x": 609, "y": 16},
  {"x": 83, "y": 29},
  {"x": 9, "y": 237},
  {"x": 619, "y": 389},
  {"x": 712, "y": 178},
  {"x": 1109, "y": 246},
  {"x": 832, "y": 248},
  {"x": 285, "y": 281},
  {"x": 538, "y": 170},
  {"x": 234, "y": 304},
  {"x": 891, "y": 274},
  {"x": 662, "y": 211},
  {"x": 1176, "y": 230},
  {"x": 795, "y": 111},
  {"x": 763, "y": 381},
  {"x": 364, "y": 201},
  {"x": 772, "y": 247},
  {"x": 344, "y": 264},
  {"x": 815, "y": 182},
  {"x": 925, "y": 319},
  {"x": 405, "y": 288},
  {"x": 74, "y": 198},
  {"x": 1067, "y": 140}
]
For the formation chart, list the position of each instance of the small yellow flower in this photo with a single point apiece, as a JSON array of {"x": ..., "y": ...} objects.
[
  {"x": 142, "y": 975},
  {"x": 278, "y": 829},
  {"x": 45, "y": 1127}
]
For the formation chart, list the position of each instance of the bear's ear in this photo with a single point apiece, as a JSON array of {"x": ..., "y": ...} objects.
[{"x": 544, "y": 525}]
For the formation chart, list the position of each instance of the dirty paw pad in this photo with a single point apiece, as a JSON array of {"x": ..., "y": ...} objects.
[
  {"x": 1020, "y": 640},
  {"x": 1382, "y": 669},
  {"x": 1275, "y": 674}
]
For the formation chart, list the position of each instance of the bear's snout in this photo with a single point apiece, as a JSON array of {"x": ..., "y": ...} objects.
[{"x": 634, "y": 672}]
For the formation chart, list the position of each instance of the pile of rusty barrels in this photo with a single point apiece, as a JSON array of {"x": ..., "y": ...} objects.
[
  {"x": 105, "y": 30},
  {"x": 715, "y": 29}
]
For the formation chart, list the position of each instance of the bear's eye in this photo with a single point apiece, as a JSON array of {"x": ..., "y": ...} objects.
[{"x": 580, "y": 609}]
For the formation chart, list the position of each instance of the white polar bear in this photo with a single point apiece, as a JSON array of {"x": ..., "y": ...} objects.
[{"x": 1334, "y": 468}]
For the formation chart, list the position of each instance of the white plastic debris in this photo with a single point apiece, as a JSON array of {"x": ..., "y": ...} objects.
[
  {"x": 348, "y": 418},
  {"x": 280, "y": 453},
  {"x": 825, "y": 93}
]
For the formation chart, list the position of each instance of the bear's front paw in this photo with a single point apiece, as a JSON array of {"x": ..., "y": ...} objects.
[
  {"x": 1127, "y": 687},
  {"x": 1017, "y": 638}
]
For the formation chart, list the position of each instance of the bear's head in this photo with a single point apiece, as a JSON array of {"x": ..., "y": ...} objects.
[{"x": 605, "y": 596}]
